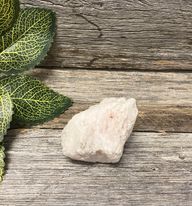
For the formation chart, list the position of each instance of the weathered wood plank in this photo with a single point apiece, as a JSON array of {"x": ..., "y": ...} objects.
[
  {"x": 164, "y": 99},
  {"x": 125, "y": 34},
  {"x": 154, "y": 171}
]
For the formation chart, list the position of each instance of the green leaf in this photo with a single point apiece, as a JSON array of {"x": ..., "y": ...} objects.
[
  {"x": 33, "y": 102},
  {"x": 6, "y": 112},
  {"x": 2, "y": 163},
  {"x": 9, "y": 11},
  {"x": 27, "y": 43}
]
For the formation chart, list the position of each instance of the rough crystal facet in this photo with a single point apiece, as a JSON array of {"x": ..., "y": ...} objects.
[{"x": 99, "y": 133}]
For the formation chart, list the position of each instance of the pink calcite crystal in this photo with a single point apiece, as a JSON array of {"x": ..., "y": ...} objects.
[{"x": 99, "y": 133}]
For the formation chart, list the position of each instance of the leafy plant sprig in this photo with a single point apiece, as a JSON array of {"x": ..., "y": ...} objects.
[{"x": 25, "y": 38}]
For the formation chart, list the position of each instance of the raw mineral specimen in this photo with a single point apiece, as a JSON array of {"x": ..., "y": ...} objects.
[{"x": 99, "y": 133}]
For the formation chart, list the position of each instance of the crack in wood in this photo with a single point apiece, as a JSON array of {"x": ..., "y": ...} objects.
[
  {"x": 92, "y": 23},
  {"x": 92, "y": 61}
]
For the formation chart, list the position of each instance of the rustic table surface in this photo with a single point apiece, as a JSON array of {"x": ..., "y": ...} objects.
[{"x": 104, "y": 48}]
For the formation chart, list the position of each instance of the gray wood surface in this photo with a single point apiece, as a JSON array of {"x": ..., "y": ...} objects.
[
  {"x": 154, "y": 170},
  {"x": 123, "y": 34},
  {"x": 164, "y": 99},
  {"x": 104, "y": 48}
]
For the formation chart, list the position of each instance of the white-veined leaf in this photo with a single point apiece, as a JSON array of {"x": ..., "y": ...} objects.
[
  {"x": 33, "y": 101},
  {"x": 27, "y": 43}
]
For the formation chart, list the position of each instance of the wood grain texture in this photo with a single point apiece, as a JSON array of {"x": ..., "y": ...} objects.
[
  {"x": 124, "y": 34},
  {"x": 154, "y": 170},
  {"x": 164, "y": 99}
]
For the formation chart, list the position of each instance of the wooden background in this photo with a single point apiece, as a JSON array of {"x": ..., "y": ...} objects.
[{"x": 104, "y": 48}]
